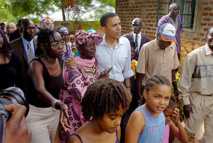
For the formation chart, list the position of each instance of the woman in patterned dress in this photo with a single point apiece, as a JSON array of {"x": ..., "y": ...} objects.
[{"x": 76, "y": 80}]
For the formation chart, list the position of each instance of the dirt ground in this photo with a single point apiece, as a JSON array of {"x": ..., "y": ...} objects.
[{"x": 199, "y": 136}]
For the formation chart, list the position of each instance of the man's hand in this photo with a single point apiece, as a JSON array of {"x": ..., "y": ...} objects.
[
  {"x": 16, "y": 130},
  {"x": 187, "y": 109}
]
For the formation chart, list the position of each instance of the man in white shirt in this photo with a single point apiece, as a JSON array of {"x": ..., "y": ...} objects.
[{"x": 114, "y": 51}]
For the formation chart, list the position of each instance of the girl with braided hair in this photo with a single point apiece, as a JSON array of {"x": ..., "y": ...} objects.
[
  {"x": 81, "y": 73},
  {"x": 103, "y": 105},
  {"x": 147, "y": 123}
]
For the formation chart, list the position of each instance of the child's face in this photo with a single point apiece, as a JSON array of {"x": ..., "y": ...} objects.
[
  {"x": 157, "y": 99},
  {"x": 111, "y": 121},
  {"x": 168, "y": 114},
  {"x": 72, "y": 38},
  {"x": 132, "y": 52},
  {"x": 65, "y": 36}
]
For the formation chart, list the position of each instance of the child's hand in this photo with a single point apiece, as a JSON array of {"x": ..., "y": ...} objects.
[
  {"x": 176, "y": 115},
  {"x": 70, "y": 62}
]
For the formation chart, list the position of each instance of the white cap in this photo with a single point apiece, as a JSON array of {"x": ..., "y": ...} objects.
[{"x": 167, "y": 32}]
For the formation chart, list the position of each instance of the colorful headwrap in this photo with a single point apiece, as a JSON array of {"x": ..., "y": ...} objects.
[
  {"x": 81, "y": 37},
  {"x": 91, "y": 30},
  {"x": 47, "y": 22},
  {"x": 62, "y": 29}
]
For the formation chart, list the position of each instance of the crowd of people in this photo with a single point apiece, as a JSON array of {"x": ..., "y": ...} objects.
[{"x": 104, "y": 89}]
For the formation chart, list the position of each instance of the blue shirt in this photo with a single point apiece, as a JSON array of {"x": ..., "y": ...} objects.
[
  {"x": 119, "y": 58},
  {"x": 25, "y": 42},
  {"x": 154, "y": 127}
]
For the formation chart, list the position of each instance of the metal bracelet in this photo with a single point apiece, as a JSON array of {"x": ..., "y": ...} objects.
[{"x": 53, "y": 102}]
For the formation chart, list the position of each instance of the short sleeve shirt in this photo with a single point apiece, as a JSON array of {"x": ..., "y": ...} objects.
[{"x": 155, "y": 61}]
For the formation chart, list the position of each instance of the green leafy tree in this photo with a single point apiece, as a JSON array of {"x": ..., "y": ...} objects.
[
  {"x": 12, "y": 10},
  {"x": 108, "y": 2},
  {"x": 5, "y": 13}
]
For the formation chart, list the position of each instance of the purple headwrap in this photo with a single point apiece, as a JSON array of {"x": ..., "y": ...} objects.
[{"x": 81, "y": 37}]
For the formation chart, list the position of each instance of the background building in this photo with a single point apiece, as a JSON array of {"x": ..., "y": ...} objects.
[{"x": 197, "y": 16}]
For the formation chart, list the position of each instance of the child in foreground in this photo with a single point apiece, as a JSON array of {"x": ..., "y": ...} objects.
[
  {"x": 147, "y": 123},
  {"x": 103, "y": 105},
  {"x": 177, "y": 130}
]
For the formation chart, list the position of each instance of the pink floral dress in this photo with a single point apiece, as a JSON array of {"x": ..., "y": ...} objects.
[{"x": 76, "y": 80}]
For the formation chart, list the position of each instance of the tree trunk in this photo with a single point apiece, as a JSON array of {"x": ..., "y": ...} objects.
[{"x": 62, "y": 9}]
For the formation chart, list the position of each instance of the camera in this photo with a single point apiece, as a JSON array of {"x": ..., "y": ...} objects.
[{"x": 12, "y": 95}]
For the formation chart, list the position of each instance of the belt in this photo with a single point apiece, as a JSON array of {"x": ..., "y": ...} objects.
[{"x": 209, "y": 95}]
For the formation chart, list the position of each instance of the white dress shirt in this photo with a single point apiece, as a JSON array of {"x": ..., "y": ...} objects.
[{"x": 118, "y": 58}]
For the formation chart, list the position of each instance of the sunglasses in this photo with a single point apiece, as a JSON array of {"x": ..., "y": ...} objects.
[{"x": 54, "y": 44}]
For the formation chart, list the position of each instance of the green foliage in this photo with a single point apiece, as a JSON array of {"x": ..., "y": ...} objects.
[
  {"x": 88, "y": 6},
  {"x": 108, "y": 2},
  {"x": 5, "y": 14},
  {"x": 12, "y": 10},
  {"x": 180, "y": 104},
  {"x": 22, "y": 8}
]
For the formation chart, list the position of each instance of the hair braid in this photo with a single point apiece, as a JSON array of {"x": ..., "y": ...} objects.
[
  {"x": 156, "y": 79},
  {"x": 104, "y": 96}
]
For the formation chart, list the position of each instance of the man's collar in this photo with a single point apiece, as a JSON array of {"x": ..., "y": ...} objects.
[
  {"x": 120, "y": 42},
  {"x": 103, "y": 41},
  {"x": 208, "y": 50},
  {"x": 157, "y": 46},
  {"x": 26, "y": 40},
  {"x": 139, "y": 34}
]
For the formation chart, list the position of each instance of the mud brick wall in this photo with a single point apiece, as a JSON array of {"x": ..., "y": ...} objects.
[{"x": 191, "y": 38}]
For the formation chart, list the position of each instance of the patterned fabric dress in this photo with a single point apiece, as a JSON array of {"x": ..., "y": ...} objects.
[
  {"x": 67, "y": 52},
  {"x": 76, "y": 80}
]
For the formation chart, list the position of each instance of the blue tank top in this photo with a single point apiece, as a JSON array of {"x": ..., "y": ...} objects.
[{"x": 154, "y": 127}]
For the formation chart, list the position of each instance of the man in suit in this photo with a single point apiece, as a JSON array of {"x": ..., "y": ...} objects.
[
  {"x": 137, "y": 36},
  {"x": 16, "y": 34},
  {"x": 24, "y": 47}
]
